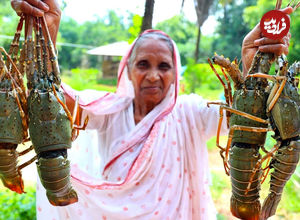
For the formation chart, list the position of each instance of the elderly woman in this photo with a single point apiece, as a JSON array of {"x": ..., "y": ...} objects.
[{"x": 147, "y": 158}]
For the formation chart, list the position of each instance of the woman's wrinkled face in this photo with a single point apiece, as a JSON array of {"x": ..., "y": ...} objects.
[{"x": 152, "y": 71}]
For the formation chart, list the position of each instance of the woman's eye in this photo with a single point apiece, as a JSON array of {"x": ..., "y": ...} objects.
[
  {"x": 164, "y": 66},
  {"x": 142, "y": 64}
]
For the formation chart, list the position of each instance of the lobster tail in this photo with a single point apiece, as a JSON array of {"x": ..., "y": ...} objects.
[
  {"x": 242, "y": 163},
  {"x": 54, "y": 175},
  {"x": 284, "y": 163},
  {"x": 10, "y": 175},
  {"x": 270, "y": 205}
]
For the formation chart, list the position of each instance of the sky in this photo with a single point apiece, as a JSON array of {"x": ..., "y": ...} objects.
[{"x": 86, "y": 10}]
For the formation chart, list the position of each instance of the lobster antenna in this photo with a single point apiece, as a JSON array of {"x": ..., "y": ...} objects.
[
  {"x": 38, "y": 47},
  {"x": 289, "y": 4},
  {"x": 52, "y": 54},
  {"x": 297, "y": 6},
  {"x": 278, "y": 4},
  {"x": 44, "y": 48}
]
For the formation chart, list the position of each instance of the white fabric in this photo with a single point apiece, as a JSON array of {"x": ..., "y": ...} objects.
[{"x": 157, "y": 169}]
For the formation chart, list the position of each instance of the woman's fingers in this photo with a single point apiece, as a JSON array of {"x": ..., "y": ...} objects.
[
  {"x": 277, "y": 49},
  {"x": 266, "y": 41},
  {"x": 287, "y": 10},
  {"x": 32, "y": 7},
  {"x": 39, "y": 4}
]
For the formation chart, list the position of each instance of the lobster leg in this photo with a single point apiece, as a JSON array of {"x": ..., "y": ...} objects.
[
  {"x": 233, "y": 128},
  {"x": 26, "y": 151},
  {"x": 63, "y": 105},
  {"x": 22, "y": 114},
  {"x": 27, "y": 163},
  {"x": 227, "y": 88},
  {"x": 222, "y": 150},
  {"x": 258, "y": 165},
  {"x": 230, "y": 99}
]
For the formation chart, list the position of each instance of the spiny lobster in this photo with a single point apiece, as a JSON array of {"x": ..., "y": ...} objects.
[
  {"x": 43, "y": 111},
  {"x": 259, "y": 106}
]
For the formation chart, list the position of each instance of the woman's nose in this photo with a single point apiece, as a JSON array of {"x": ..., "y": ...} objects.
[{"x": 153, "y": 75}]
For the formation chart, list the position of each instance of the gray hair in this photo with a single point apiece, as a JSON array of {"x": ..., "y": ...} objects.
[{"x": 153, "y": 35}]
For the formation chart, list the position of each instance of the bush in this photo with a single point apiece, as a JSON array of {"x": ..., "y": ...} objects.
[
  {"x": 18, "y": 206},
  {"x": 79, "y": 79},
  {"x": 200, "y": 75}
]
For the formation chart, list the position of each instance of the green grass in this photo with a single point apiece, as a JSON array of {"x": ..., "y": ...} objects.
[
  {"x": 80, "y": 84},
  {"x": 18, "y": 206},
  {"x": 81, "y": 79}
]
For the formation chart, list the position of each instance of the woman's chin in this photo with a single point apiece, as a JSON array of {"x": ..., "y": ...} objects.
[{"x": 152, "y": 98}]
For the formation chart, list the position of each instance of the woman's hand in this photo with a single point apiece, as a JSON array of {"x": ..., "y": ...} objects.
[
  {"x": 48, "y": 8},
  {"x": 255, "y": 40}
]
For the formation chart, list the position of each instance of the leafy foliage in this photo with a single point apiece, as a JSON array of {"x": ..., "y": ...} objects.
[
  {"x": 81, "y": 79},
  {"x": 18, "y": 206},
  {"x": 135, "y": 28},
  {"x": 183, "y": 32},
  {"x": 199, "y": 75},
  {"x": 8, "y": 22},
  {"x": 231, "y": 29},
  {"x": 109, "y": 29}
]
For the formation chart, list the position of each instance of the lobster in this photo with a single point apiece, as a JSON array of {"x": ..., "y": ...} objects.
[
  {"x": 43, "y": 112},
  {"x": 51, "y": 125},
  {"x": 13, "y": 119},
  {"x": 256, "y": 108},
  {"x": 248, "y": 124},
  {"x": 284, "y": 113}
]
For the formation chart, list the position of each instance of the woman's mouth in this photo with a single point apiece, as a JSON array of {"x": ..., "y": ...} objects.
[{"x": 151, "y": 89}]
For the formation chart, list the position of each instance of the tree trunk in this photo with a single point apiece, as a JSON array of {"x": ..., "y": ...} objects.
[
  {"x": 182, "y": 4},
  {"x": 224, "y": 20},
  {"x": 198, "y": 44},
  {"x": 202, "y": 11},
  {"x": 148, "y": 15}
]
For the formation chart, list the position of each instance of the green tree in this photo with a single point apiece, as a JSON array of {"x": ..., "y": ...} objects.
[
  {"x": 148, "y": 15},
  {"x": 183, "y": 32},
  {"x": 8, "y": 23},
  {"x": 232, "y": 28},
  {"x": 135, "y": 28},
  {"x": 68, "y": 33},
  {"x": 202, "y": 11},
  {"x": 105, "y": 30}
]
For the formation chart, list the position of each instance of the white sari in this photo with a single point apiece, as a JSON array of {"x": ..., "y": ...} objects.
[{"x": 157, "y": 169}]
